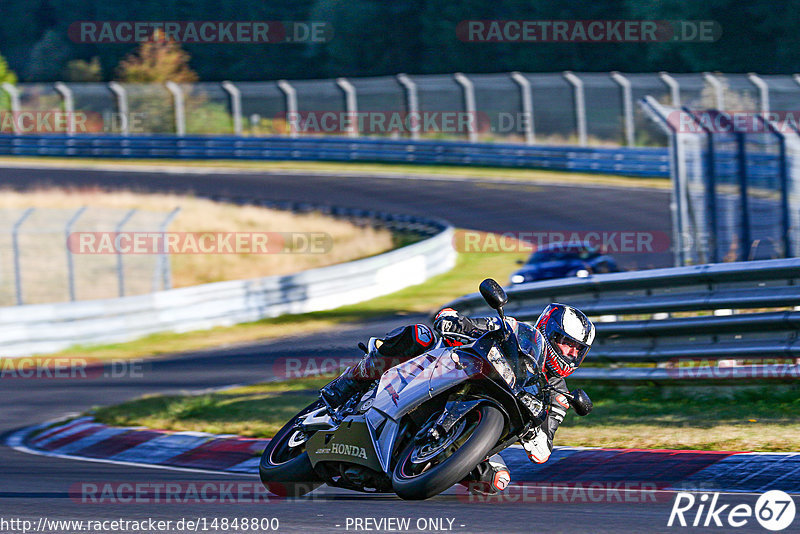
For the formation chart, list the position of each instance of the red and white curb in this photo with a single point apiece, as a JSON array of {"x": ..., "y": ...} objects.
[{"x": 82, "y": 438}]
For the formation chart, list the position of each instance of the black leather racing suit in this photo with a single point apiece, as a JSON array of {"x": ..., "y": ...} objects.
[{"x": 448, "y": 320}]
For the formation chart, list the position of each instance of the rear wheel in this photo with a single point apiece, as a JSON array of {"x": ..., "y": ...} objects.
[
  {"x": 285, "y": 468},
  {"x": 429, "y": 467}
]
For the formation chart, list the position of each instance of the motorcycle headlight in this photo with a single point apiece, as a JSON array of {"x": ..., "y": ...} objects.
[
  {"x": 517, "y": 279},
  {"x": 501, "y": 366},
  {"x": 533, "y": 404}
]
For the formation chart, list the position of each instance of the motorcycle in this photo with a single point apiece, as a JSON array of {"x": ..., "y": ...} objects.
[{"x": 427, "y": 423}]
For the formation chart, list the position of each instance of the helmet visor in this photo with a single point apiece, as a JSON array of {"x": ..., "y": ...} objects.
[{"x": 571, "y": 350}]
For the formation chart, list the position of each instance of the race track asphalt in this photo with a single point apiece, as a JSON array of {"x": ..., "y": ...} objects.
[{"x": 32, "y": 487}]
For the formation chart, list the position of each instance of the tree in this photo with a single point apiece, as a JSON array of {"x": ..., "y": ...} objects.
[
  {"x": 79, "y": 70},
  {"x": 157, "y": 60},
  {"x": 48, "y": 57},
  {"x": 6, "y": 75}
]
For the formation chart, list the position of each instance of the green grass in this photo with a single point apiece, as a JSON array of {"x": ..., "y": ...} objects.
[
  {"x": 762, "y": 418},
  {"x": 470, "y": 269},
  {"x": 443, "y": 171}
]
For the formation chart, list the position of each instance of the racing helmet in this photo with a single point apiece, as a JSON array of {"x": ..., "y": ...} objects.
[{"x": 568, "y": 335}]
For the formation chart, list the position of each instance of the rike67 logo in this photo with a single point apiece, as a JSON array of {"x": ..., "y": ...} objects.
[{"x": 774, "y": 510}]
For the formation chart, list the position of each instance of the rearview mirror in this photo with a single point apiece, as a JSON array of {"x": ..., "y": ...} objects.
[
  {"x": 581, "y": 402},
  {"x": 493, "y": 294}
]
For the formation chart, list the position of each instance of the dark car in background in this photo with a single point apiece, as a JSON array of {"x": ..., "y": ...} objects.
[{"x": 562, "y": 260}]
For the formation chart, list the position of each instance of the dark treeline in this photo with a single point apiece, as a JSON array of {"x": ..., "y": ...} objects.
[{"x": 375, "y": 37}]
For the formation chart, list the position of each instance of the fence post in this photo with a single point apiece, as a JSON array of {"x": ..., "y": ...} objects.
[
  {"x": 351, "y": 105},
  {"x": 469, "y": 104},
  {"x": 412, "y": 103},
  {"x": 122, "y": 106},
  {"x": 580, "y": 105},
  {"x": 527, "y": 106},
  {"x": 13, "y": 94},
  {"x": 719, "y": 93},
  {"x": 627, "y": 106},
  {"x": 69, "y": 105},
  {"x": 674, "y": 88},
  {"x": 180, "y": 112},
  {"x": 15, "y": 251},
  {"x": 70, "y": 268},
  {"x": 120, "y": 265},
  {"x": 236, "y": 106},
  {"x": 763, "y": 92},
  {"x": 291, "y": 106},
  {"x": 163, "y": 258}
]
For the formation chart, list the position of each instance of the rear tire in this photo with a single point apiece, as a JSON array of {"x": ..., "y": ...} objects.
[
  {"x": 485, "y": 432},
  {"x": 285, "y": 470}
]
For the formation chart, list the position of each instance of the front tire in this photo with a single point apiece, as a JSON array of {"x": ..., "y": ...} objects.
[
  {"x": 286, "y": 470},
  {"x": 478, "y": 432}
]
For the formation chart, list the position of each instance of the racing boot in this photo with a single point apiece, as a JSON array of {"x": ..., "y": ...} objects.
[
  {"x": 489, "y": 477},
  {"x": 538, "y": 445},
  {"x": 341, "y": 388}
]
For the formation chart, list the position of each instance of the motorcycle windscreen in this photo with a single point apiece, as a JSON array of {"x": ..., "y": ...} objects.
[
  {"x": 404, "y": 387},
  {"x": 532, "y": 343}
]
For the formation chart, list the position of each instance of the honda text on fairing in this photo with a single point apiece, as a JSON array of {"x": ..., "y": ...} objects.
[
  {"x": 427, "y": 423},
  {"x": 563, "y": 260}
]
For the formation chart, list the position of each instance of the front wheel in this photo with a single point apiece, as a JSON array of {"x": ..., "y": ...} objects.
[
  {"x": 285, "y": 468},
  {"x": 428, "y": 468}
]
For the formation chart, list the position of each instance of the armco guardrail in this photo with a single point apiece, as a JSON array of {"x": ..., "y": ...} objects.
[
  {"x": 26, "y": 330},
  {"x": 675, "y": 341},
  {"x": 648, "y": 162}
]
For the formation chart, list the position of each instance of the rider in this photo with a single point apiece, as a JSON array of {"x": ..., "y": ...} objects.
[{"x": 568, "y": 335}]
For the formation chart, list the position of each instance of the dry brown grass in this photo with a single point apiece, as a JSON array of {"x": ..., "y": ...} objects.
[{"x": 196, "y": 215}]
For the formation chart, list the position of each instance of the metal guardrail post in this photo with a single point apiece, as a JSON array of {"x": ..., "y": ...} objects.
[
  {"x": 744, "y": 230},
  {"x": 163, "y": 258},
  {"x": 710, "y": 186},
  {"x": 15, "y": 252},
  {"x": 763, "y": 92},
  {"x": 674, "y": 88},
  {"x": 70, "y": 267},
  {"x": 580, "y": 105},
  {"x": 291, "y": 106},
  {"x": 468, "y": 89},
  {"x": 527, "y": 106},
  {"x": 783, "y": 176},
  {"x": 236, "y": 105},
  {"x": 69, "y": 105},
  {"x": 351, "y": 105},
  {"x": 122, "y": 106},
  {"x": 651, "y": 106},
  {"x": 719, "y": 90},
  {"x": 627, "y": 106},
  {"x": 179, "y": 106},
  {"x": 120, "y": 264},
  {"x": 13, "y": 94},
  {"x": 412, "y": 103}
]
